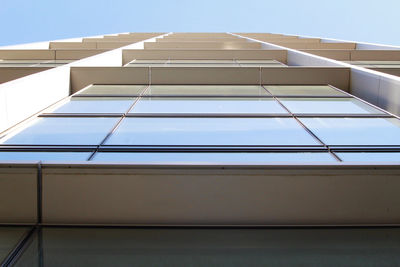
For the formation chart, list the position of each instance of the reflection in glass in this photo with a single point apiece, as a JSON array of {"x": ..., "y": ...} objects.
[
  {"x": 21, "y": 63},
  {"x": 9, "y": 238},
  {"x": 257, "y": 61},
  {"x": 44, "y": 156},
  {"x": 328, "y": 106},
  {"x": 212, "y": 158},
  {"x": 209, "y": 65},
  {"x": 255, "y": 65},
  {"x": 113, "y": 90},
  {"x": 387, "y": 66},
  {"x": 63, "y": 131},
  {"x": 207, "y": 105},
  {"x": 355, "y": 131},
  {"x": 370, "y": 156},
  {"x": 146, "y": 65},
  {"x": 311, "y": 90},
  {"x": 210, "y": 131},
  {"x": 214, "y": 247},
  {"x": 148, "y": 61},
  {"x": 202, "y": 61},
  {"x": 96, "y": 105},
  {"x": 225, "y": 90}
]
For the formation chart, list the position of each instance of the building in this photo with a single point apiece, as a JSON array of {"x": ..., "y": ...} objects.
[{"x": 185, "y": 130}]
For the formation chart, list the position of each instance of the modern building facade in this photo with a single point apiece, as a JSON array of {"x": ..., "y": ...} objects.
[{"x": 107, "y": 141}]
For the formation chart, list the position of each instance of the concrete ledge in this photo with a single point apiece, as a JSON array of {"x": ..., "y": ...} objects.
[
  {"x": 11, "y": 73},
  {"x": 28, "y": 54},
  {"x": 279, "y": 55},
  {"x": 18, "y": 194},
  {"x": 216, "y": 195},
  {"x": 84, "y": 76},
  {"x": 336, "y": 76}
]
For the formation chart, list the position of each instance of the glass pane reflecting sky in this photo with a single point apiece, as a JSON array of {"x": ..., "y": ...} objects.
[
  {"x": 225, "y": 90},
  {"x": 207, "y": 105},
  {"x": 64, "y": 131},
  {"x": 210, "y": 131},
  {"x": 255, "y": 65},
  {"x": 113, "y": 90},
  {"x": 369, "y": 156},
  {"x": 257, "y": 61},
  {"x": 199, "y": 65},
  {"x": 312, "y": 90},
  {"x": 209, "y": 61},
  {"x": 328, "y": 106},
  {"x": 141, "y": 61},
  {"x": 44, "y": 156},
  {"x": 95, "y": 105},
  {"x": 355, "y": 131},
  {"x": 224, "y": 158}
]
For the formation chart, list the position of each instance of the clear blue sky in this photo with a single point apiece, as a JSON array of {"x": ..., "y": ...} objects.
[{"x": 39, "y": 20}]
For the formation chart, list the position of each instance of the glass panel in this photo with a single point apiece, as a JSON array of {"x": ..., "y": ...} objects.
[
  {"x": 201, "y": 65},
  {"x": 30, "y": 256},
  {"x": 49, "y": 65},
  {"x": 63, "y": 131},
  {"x": 387, "y": 66},
  {"x": 225, "y": 90},
  {"x": 44, "y": 156},
  {"x": 214, "y": 247},
  {"x": 328, "y": 106},
  {"x": 210, "y": 131},
  {"x": 263, "y": 65},
  {"x": 148, "y": 61},
  {"x": 146, "y": 65},
  {"x": 224, "y": 158},
  {"x": 207, "y": 105},
  {"x": 355, "y": 131},
  {"x": 257, "y": 61},
  {"x": 209, "y": 61},
  {"x": 321, "y": 90},
  {"x": 96, "y": 105},
  {"x": 364, "y": 65},
  {"x": 9, "y": 237},
  {"x": 6, "y": 65},
  {"x": 61, "y": 61},
  {"x": 370, "y": 156},
  {"x": 113, "y": 90},
  {"x": 54, "y": 63},
  {"x": 23, "y": 61},
  {"x": 383, "y": 62}
]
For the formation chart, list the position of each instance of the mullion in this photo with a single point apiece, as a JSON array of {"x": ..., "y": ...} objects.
[
  {"x": 80, "y": 115},
  {"x": 46, "y": 149},
  {"x": 308, "y": 130},
  {"x": 254, "y": 115},
  {"x": 216, "y": 96},
  {"x": 117, "y": 124},
  {"x": 205, "y": 149},
  {"x": 20, "y": 247},
  {"x": 199, "y": 148},
  {"x": 206, "y": 115}
]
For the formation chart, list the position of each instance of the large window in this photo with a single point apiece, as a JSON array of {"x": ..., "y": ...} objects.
[
  {"x": 207, "y": 124},
  {"x": 204, "y": 63}
]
